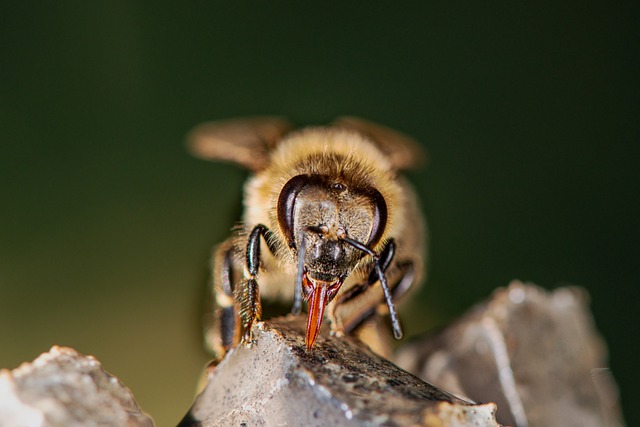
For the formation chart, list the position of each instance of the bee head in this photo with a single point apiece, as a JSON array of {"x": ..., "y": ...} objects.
[{"x": 318, "y": 215}]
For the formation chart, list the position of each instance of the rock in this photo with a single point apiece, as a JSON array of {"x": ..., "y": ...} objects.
[
  {"x": 276, "y": 382},
  {"x": 536, "y": 354},
  {"x": 65, "y": 388}
]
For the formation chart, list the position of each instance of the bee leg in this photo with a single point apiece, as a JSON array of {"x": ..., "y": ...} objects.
[
  {"x": 248, "y": 294},
  {"x": 404, "y": 277},
  {"x": 367, "y": 325},
  {"x": 400, "y": 286},
  {"x": 386, "y": 256},
  {"x": 405, "y": 281},
  {"x": 224, "y": 332},
  {"x": 248, "y": 297},
  {"x": 337, "y": 328}
]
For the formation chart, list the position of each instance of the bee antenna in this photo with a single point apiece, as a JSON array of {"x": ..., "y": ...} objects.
[
  {"x": 297, "y": 290},
  {"x": 395, "y": 322}
]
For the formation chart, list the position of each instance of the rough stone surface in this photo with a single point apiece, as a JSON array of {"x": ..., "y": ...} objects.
[
  {"x": 536, "y": 354},
  {"x": 277, "y": 382},
  {"x": 65, "y": 388}
]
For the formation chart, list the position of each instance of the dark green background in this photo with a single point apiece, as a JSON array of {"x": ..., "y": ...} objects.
[{"x": 529, "y": 114}]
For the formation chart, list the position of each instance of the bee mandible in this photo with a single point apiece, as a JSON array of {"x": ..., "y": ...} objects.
[{"x": 327, "y": 219}]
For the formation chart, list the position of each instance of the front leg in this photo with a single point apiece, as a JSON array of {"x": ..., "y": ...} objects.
[
  {"x": 247, "y": 295},
  {"x": 386, "y": 256},
  {"x": 236, "y": 296}
]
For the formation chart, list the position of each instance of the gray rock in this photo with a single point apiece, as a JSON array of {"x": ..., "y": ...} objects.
[
  {"x": 65, "y": 388},
  {"x": 536, "y": 354},
  {"x": 277, "y": 382}
]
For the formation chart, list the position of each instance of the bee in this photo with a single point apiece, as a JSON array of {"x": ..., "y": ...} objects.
[{"x": 327, "y": 219}]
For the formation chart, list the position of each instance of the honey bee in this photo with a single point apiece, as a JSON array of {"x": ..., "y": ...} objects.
[{"x": 327, "y": 219}]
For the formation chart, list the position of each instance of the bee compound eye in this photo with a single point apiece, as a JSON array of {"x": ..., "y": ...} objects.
[
  {"x": 379, "y": 217},
  {"x": 286, "y": 205}
]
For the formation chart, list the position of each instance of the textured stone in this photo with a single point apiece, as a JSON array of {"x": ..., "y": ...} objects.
[
  {"x": 277, "y": 381},
  {"x": 65, "y": 388},
  {"x": 536, "y": 354}
]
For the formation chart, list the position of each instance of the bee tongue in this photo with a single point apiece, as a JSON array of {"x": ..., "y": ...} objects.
[{"x": 317, "y": 302}]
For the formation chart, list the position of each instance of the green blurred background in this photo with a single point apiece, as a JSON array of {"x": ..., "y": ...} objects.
[{"x": 529, "y": 113}]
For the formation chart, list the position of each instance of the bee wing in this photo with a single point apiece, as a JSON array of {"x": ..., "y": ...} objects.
[
  {"x": 403, "y": 151},
  {"x": 246, "y": 141}
]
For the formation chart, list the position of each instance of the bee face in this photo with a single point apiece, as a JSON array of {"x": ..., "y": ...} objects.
[
  {"x": 318, "y": 214},
  {"x": 322, "y": 215}
]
